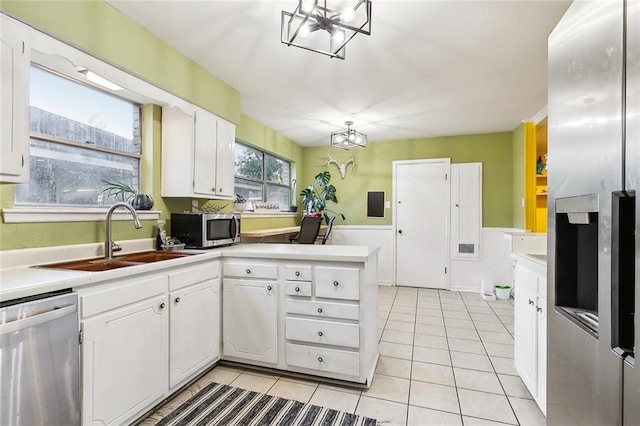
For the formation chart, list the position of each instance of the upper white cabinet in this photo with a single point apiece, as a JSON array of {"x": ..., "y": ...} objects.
[
  {"x": 14, "y": 101},
  {"x": 197, "y": 154}
]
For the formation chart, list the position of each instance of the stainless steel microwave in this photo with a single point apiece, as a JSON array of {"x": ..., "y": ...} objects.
[{"x": 206, "y": 230}]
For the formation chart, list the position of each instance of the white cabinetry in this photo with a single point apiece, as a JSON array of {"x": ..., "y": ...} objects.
[
  {"x": 124, "y": 350},
  {"x": 530, "y": 344},
  {"x": 14, "y": 101},
  {"x": 318, "y": 318},
  {"x": 144, "y": 337},
  {"x": 197, "y": 154},
  {"x": 250, "y": 317},
  {"x": 194, "y": 321}
]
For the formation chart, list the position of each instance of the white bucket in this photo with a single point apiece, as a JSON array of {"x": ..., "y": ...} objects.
[
  {"x": 486, "y": 289},
  {"x": 503, "y": 293}
]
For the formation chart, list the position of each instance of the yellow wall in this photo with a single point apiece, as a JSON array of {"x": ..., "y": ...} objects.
[{"x": 518, "y": 177}]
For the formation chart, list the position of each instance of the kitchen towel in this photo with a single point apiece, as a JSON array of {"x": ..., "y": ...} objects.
[{"x": 218, "y": 404}]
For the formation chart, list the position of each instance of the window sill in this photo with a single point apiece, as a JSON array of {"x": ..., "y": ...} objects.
[
  {"x": 70, "y": 214},
  {"x": 253, "y": 215}
]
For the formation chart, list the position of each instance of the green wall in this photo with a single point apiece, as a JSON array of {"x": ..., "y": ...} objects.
[
  {"x": 518, "y": 177},
  {"x": 373, "y": 171}
]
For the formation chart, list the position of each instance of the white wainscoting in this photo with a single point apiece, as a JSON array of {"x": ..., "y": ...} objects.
[{"x": 494, "y": 263}]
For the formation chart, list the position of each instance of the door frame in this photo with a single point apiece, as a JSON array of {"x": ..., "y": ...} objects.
[{"x": 394, "y": 223}]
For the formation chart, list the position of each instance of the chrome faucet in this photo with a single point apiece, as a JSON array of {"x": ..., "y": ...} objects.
[{"x": 109, "y": 245}]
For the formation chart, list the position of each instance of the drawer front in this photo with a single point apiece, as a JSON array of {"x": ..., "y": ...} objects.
[
  {"x": 297, "y": 273},
  {"x": 337, "y": 283},
  {"x": 192, "y": 275},
  {"x": 250, "y": 270},
  {"x": 322, "y": 359},
  {"x": 323, "y": 309},
  {"x": 298, "y": 288},
  {"x": 323, "y": 332}
]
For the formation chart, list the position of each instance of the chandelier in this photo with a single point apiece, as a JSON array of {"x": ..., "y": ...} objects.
[
  {"x": 325, "y": 29},
  {"x": 348, "y": 138}
]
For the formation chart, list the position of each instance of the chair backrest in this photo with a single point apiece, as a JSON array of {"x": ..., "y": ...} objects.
[
  {"x": 325, "y": 237},
  {"x": 309, "y": 229}
]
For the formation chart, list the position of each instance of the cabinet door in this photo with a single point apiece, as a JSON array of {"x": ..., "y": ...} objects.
[
  {"x": 466, "y": 210},
  {"x": 526, "y": 334},
  {"x": 14, "y": 102},
  {"x": 124, "y": 362},
  {"x": 250, "y": 319},
  {"x": 204, "y": 161},
  {"x": 177, "y": 152},
  {"x": 541, "y": 396},
  {"x": 225, "y": 159},
  {"x": 194, "y": 329}
]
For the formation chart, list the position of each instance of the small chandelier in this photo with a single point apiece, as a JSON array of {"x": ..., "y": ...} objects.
[
  {"x": 317, "y": 27},
  {"x": 348, "y": 138}
]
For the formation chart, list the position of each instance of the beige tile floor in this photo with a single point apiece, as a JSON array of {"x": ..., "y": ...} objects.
[{"x": 446, "y": 358}]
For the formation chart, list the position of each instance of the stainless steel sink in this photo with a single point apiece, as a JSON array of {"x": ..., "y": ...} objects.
[{"x": 101, "y": 264}]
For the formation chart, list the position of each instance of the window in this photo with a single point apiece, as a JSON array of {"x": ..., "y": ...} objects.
[
  {"x": 80, "y": 136},
  {"x": 261, "y": 177}
]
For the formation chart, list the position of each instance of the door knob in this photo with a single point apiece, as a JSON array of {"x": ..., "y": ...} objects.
[
  {"x": 269, "y": 287},
  {"x": 400, "y": 231},
  {"x": 162, "y": 305},
  {"x": 297, "y": 273},
  {"x": 177, "y": 300},
  {"x": 297, "y": 289}
]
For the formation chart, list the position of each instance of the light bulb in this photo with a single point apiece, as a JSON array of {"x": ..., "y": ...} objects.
[
  {"x": 308, "y": 5},
  {"x": 338, "y": 36},
  {"x": 347, "y": 14},
  {"x": 352, "y": 137},
  {"x": 358, "y": 139},
  {"x": 340, "y": 138},
  {"x": 304, "y": 30}
]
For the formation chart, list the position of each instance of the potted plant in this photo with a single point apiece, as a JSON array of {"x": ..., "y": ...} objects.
[
  {"x": 315, "y": 200},
  {"x": 240, "y": 203},
  {"x": 128, "y": 194},
  {"x": 503, "y": 291}
]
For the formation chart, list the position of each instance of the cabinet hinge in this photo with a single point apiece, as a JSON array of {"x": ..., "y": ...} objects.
[
  {"x": 23, "y": 47},
  {"x": 80, "y": 337},
  {"x": 445, "y": 176},
  {"x": 445, "y": 269}
]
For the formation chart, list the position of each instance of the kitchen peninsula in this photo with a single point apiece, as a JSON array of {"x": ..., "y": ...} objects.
[{"x": 307, "y": 309}]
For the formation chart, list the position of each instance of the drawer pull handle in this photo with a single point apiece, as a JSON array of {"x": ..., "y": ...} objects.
[
  {"x": 319, "y": 310},
  {"x": 269, "y": 287},
  {"x": 177, "y": 300},
  {"x": 248, "y": 271},
  {"x": 335, "y": 283},
  {"x": 162, "y": 305},
  {"x": 320, "y": 333},
  {"x": 531, "y": 302},
  {"x": 297, "y": 289},
  {"x": 320, "y": 359},
  {"x": 297, "y": 273}
]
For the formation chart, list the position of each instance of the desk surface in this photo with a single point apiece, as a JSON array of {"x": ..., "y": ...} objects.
[{"x": 261, "y": 233}]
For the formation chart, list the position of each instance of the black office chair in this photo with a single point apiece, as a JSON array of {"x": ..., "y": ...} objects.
[
  {"x": 309, "y": 229},
  {"x": 327, "y": 231}
]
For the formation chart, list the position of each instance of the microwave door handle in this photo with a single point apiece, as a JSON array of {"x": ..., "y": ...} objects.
[{"x": 234, "y": 227}]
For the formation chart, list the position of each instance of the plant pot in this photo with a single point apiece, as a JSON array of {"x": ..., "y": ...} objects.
[
  {"x": 239, "y": 207},
  {"x": 141, "y": 201},
  {"x": 503, "y": 293},
  {"x": 293, "y": 209}
]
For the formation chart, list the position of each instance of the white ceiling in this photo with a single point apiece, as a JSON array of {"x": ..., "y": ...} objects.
[{"x": 429, "y": 68}]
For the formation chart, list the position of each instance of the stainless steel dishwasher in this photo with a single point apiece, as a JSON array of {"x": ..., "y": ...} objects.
[{"x": 39, "y": 352}]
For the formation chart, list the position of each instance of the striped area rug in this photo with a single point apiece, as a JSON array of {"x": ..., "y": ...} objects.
[{"x": 218, "y": 404}]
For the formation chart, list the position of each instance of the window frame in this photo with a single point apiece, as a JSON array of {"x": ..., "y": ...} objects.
[{"x": 264, "y": 182}]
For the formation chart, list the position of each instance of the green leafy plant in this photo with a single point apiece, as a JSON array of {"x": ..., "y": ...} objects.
[
  {"x": 504, "y": 287},
  {"x": 315, "y": 199},
  {"x": 116, "y": 188}
]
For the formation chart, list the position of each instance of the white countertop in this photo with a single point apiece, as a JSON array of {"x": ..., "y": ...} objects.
[
  {"x": 23, "y": 281},
  {"x": 539, "y": 259}
]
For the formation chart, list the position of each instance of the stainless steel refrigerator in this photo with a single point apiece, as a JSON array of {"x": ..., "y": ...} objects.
[{"x": 594, "y": 250}]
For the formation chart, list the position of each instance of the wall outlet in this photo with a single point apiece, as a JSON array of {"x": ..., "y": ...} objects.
[
  {"x": 522, "y": 202},
  {"x": 387, "y": 204}
]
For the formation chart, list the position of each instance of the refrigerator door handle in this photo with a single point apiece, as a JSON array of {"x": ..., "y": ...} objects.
[{"x": 623, "y": 253}]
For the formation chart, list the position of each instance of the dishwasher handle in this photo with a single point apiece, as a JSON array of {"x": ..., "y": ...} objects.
[{"x": 38, "y": 319}]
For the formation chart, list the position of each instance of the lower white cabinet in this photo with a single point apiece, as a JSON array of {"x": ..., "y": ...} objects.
[
  {"x": 530, "y": 323},
  {"x": 124, "y": 357},
  {"x": 250, "y": 320},
  {"x": 144, "y": 337},
  {"x": 194, "y": 329},
  {"x": 313, "y": 317}
]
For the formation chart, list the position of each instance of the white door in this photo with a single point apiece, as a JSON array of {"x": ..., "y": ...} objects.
[
  {"x": 194, "y": 329},
  {"x": 204, "y": 160},
  {"x": 124, "y": 362},
  {"x": 526, "y": 334},
  {"x": 466, "y": 210},
  {"x": 421, "y": 194},
  {"x": 250, "y": 319},
  {"x": 224, "y": 159}
]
